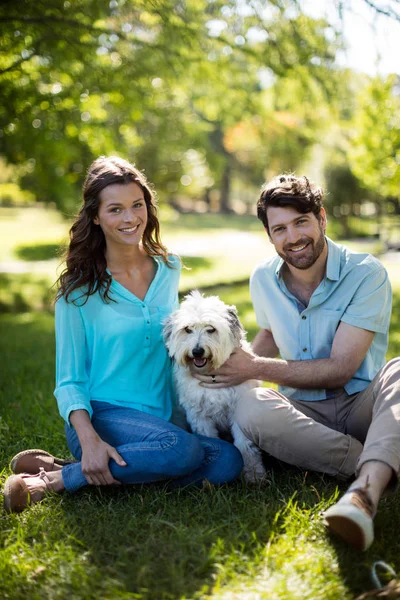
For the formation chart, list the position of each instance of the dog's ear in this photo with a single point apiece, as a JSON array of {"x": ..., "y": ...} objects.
[
  {"x": 167, "y": 330},
  {"x": 235, "y": 325},
  {"x": 233, "y": 316}
]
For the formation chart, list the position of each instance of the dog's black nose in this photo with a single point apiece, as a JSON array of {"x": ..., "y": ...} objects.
[{"x": 198, "y": 352}]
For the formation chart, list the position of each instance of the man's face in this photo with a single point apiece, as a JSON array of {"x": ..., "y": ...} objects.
[{"x": 299, "y": 239}]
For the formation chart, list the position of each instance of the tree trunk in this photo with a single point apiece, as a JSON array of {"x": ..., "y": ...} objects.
[{"x": 224, "y": 200}]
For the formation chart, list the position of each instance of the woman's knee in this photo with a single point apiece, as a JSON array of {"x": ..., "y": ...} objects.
[
  {"x": 187, "y": 453},
  {"x": 230, "y": 463}
]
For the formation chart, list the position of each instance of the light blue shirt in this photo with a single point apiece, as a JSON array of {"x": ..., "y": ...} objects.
[
  {"x": 355, "y": 290},
  {"x": 114, "y": 351}
]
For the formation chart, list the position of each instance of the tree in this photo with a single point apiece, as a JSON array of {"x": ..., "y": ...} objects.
[
  {"x": 153, "y": 81},
  {"x": 374, "y": 151}
]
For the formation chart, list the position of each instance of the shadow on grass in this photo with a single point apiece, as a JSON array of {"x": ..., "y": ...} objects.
[
  {"x": 38, "y": 252},
  {"x": 28, "y": 408},
  {"x": 198, "y": 221},
  {"x": 148, "y": 542},
  {"x": 144, "y": 540},
  {"x": 178, "y": 544},
  {"x": 22, "y": 292}
]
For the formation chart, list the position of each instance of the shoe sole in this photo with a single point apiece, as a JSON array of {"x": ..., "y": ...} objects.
[
  {"x": 7, "y": 497},
  {"x": 347, "y": 530},
  {"x": 351, "y": 524},
  {"x": 17, "y": 457}
]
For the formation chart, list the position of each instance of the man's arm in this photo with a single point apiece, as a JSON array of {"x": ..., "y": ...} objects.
[
  {"x": 264, "y": 344},
  {"x": 349, "y": 348}
]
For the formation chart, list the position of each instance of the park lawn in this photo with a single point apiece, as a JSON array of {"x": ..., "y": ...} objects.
[
  {"x": 215, "y": 248},
  {"x": 147, "y": 542}
]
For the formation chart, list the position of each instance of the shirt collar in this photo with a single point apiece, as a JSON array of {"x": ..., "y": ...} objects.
[{"x": 332, "y": 264}]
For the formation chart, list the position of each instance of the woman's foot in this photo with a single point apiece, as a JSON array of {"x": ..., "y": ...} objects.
[
  {"x": 20, "y": 491},
  {"x": 31, "y": 461}
]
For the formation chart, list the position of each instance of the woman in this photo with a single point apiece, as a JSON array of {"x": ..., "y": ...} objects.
[{"x": 113, "y": 377}]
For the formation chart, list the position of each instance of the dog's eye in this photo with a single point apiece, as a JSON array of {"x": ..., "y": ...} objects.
[
  {"x": 188, "y": 330},
  {"x": 211, "y": 330}
]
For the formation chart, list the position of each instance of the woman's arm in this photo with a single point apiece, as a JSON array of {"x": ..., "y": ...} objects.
[
  {"x": 96, "y": 453},
  {"x": 72, "y": 393},
  {"x": 72, "y": 380}
]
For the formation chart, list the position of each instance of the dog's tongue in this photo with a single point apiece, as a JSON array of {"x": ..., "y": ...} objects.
[{"x": 199, "y": 362}]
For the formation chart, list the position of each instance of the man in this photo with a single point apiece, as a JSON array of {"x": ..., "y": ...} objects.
[{"x": 326, "y": 311}]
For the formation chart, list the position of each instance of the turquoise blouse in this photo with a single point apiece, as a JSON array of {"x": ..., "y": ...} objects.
[{"x": 114, "y": 351}]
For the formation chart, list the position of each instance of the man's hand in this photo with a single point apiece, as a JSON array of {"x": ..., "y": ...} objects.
[
  {"x": 95, "y": 458},
  {"x": 239, "y": 367}
]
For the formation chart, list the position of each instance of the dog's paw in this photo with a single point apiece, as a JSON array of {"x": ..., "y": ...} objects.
[{"x": 255, "y": 473}]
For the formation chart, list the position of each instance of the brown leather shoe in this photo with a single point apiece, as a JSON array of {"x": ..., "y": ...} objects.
[
  {"x": 25, "y": 489},
  {"x": 31, "y": 461}
]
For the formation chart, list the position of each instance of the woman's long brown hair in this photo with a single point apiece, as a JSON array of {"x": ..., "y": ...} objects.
[{"x": 86, "y": 266}]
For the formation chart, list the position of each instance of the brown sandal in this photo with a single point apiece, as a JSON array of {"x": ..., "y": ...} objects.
[{"x": 20, "y": 491}]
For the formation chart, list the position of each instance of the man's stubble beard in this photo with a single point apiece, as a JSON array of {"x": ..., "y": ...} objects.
[{"x": 307, "y": 261}]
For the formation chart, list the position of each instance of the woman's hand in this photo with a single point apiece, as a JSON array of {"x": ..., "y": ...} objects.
[
  {"x": 96, "y": 456},
  {"x": 96, "y": 453}
]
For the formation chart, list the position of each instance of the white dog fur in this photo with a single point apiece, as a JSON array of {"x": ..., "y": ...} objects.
[{"x": 200, "y": 336}]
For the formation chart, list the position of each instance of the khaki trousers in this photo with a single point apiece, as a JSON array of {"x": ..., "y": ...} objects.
[{"x": 335, "y": 436}]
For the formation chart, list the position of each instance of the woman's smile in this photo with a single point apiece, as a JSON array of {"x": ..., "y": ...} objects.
[{"x": 129, "y": 230}]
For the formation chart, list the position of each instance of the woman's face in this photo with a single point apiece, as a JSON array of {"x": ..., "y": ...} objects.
[{"x": 122, "y": 214}]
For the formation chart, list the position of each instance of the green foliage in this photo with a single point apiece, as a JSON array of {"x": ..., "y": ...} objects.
[
  {"x": 21, "y": 293},
  {"x": 375, "y": 144},
  {"x": 345, "y": 197},
  {"x": 161, "y": 83}
]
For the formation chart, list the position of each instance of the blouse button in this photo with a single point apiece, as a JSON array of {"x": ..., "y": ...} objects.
[
  {"x": 304, "y": 317},
  {"x": 304, "y": 349}
]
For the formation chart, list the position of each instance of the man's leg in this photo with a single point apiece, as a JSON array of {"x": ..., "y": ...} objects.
[
  {"x": 378, "y": 464},
  {"x": 279, "y": 427}
]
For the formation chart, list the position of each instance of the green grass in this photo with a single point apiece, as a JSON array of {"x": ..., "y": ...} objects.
[
  {"x": 148, "y": 542},
  {"x": 215, "y": 248}
]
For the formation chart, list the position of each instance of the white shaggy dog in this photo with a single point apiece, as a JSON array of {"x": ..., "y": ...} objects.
[{"x": 200, "y": 336}]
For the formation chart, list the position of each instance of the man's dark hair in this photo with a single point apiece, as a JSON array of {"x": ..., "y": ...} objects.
[{"x": 290, "y": 191}]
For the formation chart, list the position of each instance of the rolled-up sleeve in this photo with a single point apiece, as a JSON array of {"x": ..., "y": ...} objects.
[
  {"x": 72, "y": 381},
  {"x": 370, "y": 307}
]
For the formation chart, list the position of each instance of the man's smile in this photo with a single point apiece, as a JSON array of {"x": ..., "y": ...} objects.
[{"x": 298, "y": 248}]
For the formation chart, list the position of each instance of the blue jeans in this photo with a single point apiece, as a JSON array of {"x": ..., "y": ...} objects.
[{"x": 154, "y": 450}]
